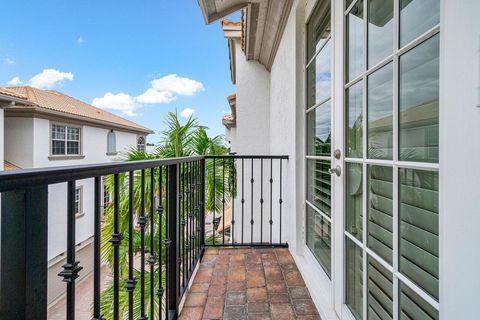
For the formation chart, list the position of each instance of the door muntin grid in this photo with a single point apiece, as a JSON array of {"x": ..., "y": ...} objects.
[{"x": 391, "y": 147}]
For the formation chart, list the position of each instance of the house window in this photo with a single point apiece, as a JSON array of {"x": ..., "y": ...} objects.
[
  {"x": 141, "y": 144},
  {"x": 65, "y": 140},
  {"x": 111, "y": 143},
  {"x": 107, "y": 197},
  {"x": 78, "y": 201}
]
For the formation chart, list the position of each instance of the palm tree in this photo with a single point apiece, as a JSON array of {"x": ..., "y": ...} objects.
[{"x": 178, "y": 140}]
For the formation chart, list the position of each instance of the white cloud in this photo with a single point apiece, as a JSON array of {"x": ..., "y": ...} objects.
[
  {"x": 9, "y": 61},
  {"x": 187, "y": 112},
  {"x": 119, "y": 101},
  {"x": 49, "y": 77},
  {"x": 152, "y": 96},
  {"x": 15, "y": 81},
  {"x": 177, "y": 85},
  {"x": 80, "y": 40},
  {"x": 162, "y": 91}
]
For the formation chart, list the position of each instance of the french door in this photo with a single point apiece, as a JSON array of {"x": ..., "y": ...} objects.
[{"x": 372, "y": 172}]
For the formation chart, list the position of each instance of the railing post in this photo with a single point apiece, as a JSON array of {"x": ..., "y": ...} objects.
[
  {"x": 202, "y": 203},
  {"x": 23, "y": 259},
  {"x": 174, "y": 247}
]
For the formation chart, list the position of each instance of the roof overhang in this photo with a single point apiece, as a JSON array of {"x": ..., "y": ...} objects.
[
  {"x": 263, "y": 23},
  {"x": 9, "y": 101},
  {"x": 230, "y": 120},
  {"x": 36, "y": 112},
  {"x": 233, "y": 32}
]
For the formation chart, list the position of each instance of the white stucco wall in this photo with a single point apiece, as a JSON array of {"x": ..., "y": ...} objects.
[
  {"x": 287, "y": 130},
  {"x": 94, "y": 145},
  {"x": 231, "y": 137},
  {"x": 19, "y": 141},
  {"x": 57, "y": 217},
  {"x": 253, "y": 104},
  {"x": 27, "y": 145},
  {"x": 459, "y": 159}
]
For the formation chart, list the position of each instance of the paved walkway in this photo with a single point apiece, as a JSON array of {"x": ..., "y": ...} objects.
[
  {"x": 248, "y": 283},
  {"x": 83, "y": 298}
]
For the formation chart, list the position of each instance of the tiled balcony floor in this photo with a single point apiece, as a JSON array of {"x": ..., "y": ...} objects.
[{"x": 248, "y": 283}]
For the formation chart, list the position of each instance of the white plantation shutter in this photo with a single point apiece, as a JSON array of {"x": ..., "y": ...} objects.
[{"x": 419, "y": 245}]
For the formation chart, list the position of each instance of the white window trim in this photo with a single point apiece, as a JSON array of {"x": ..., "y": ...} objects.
[
  {"x": 115, "y": 152},
  {"x": 80, "y": 212},
  {"x": 144, "y": 143},
  {"x": 65, "y": 156}
]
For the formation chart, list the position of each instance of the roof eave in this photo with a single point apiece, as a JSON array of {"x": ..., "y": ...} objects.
[
  {"x": 211, "y": 13},
  {"x": 12, "y": 101},
  {"x": 263, "y": 26},
  {"x": 33, "y": 110}
]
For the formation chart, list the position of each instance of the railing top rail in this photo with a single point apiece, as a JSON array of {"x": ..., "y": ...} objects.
[
  {"x": 19, "y": 179},
  {"x": 253, "y": 156}
]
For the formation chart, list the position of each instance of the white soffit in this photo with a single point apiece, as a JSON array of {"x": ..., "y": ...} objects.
[{"x": 263, "y": 24}]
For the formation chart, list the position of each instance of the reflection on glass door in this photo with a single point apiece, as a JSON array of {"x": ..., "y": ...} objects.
[
  {"x": 319, "y": 135},
  {"x": 391, "y": 124}
]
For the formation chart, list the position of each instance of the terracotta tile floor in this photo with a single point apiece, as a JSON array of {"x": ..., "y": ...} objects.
[{"x": 248, "y": 283}]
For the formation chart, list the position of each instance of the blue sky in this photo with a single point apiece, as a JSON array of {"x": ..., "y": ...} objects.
[{"x": 91, "y": 48}]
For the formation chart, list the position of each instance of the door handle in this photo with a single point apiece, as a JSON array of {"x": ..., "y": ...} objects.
[{"x": 337, "y": 170}]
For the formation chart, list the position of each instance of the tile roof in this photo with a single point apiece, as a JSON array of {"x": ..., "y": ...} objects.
[
  {"x": 52, "y": 100},
  {"x": 228, "y": 117},
  {"x": 229, "y": 121},
  {"x": 11, "y": 93},
  {"x": 226, "y": 22}
]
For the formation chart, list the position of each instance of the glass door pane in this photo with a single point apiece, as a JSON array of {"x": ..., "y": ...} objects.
[
  {"x": 419, "y": 245},
  {"x": 412, "y": 306},
  {"x": 319, "y": 185},
  {"x": 380, "y": 291},
  {"x": 319, "y": 130},
  {"x": 354, "y": 278},
  {"x": 380, "y": 30},
  {"x": 380, "y": 114},
  {"x": 417, "y": 17},
  {"x": 355, "y": 41},
  {"x": 380, "y": 211},
  {"x": 319, "y": 238},
  {"x": 354, "y": 130},
  {"x": 354, "y": 200},
  {"x": 318, "y": 117},
  {"x": 419, "y": 92}
]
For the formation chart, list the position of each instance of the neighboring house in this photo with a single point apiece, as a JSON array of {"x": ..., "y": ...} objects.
[
  {"x": 52, "y": 129},
  {"x": 376, "y": 104},
  {"x": 8, "y": 98},
  {"x": 230, "y": 122}
]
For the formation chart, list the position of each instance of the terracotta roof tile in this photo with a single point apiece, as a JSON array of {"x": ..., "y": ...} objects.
[
  {"x": 228, "y": 121},
  {"x": 228, "y": 117},
  {"x": 226, "y": 22},
  {"x": 56, "y": 101},
  {"x": 11, "y": 93}
]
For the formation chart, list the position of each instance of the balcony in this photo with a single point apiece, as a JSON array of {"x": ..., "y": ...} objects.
[
  {"x": 248, "y": 283},
  {"x": 186, "y": 255}
]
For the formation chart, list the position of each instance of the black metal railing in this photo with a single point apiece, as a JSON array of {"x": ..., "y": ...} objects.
[
  {"x": 177, "y": 206},
  {"x": 249, "y": 200}
]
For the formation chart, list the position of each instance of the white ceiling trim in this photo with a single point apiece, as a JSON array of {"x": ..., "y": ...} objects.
[{"x": 264, "y": 24}]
